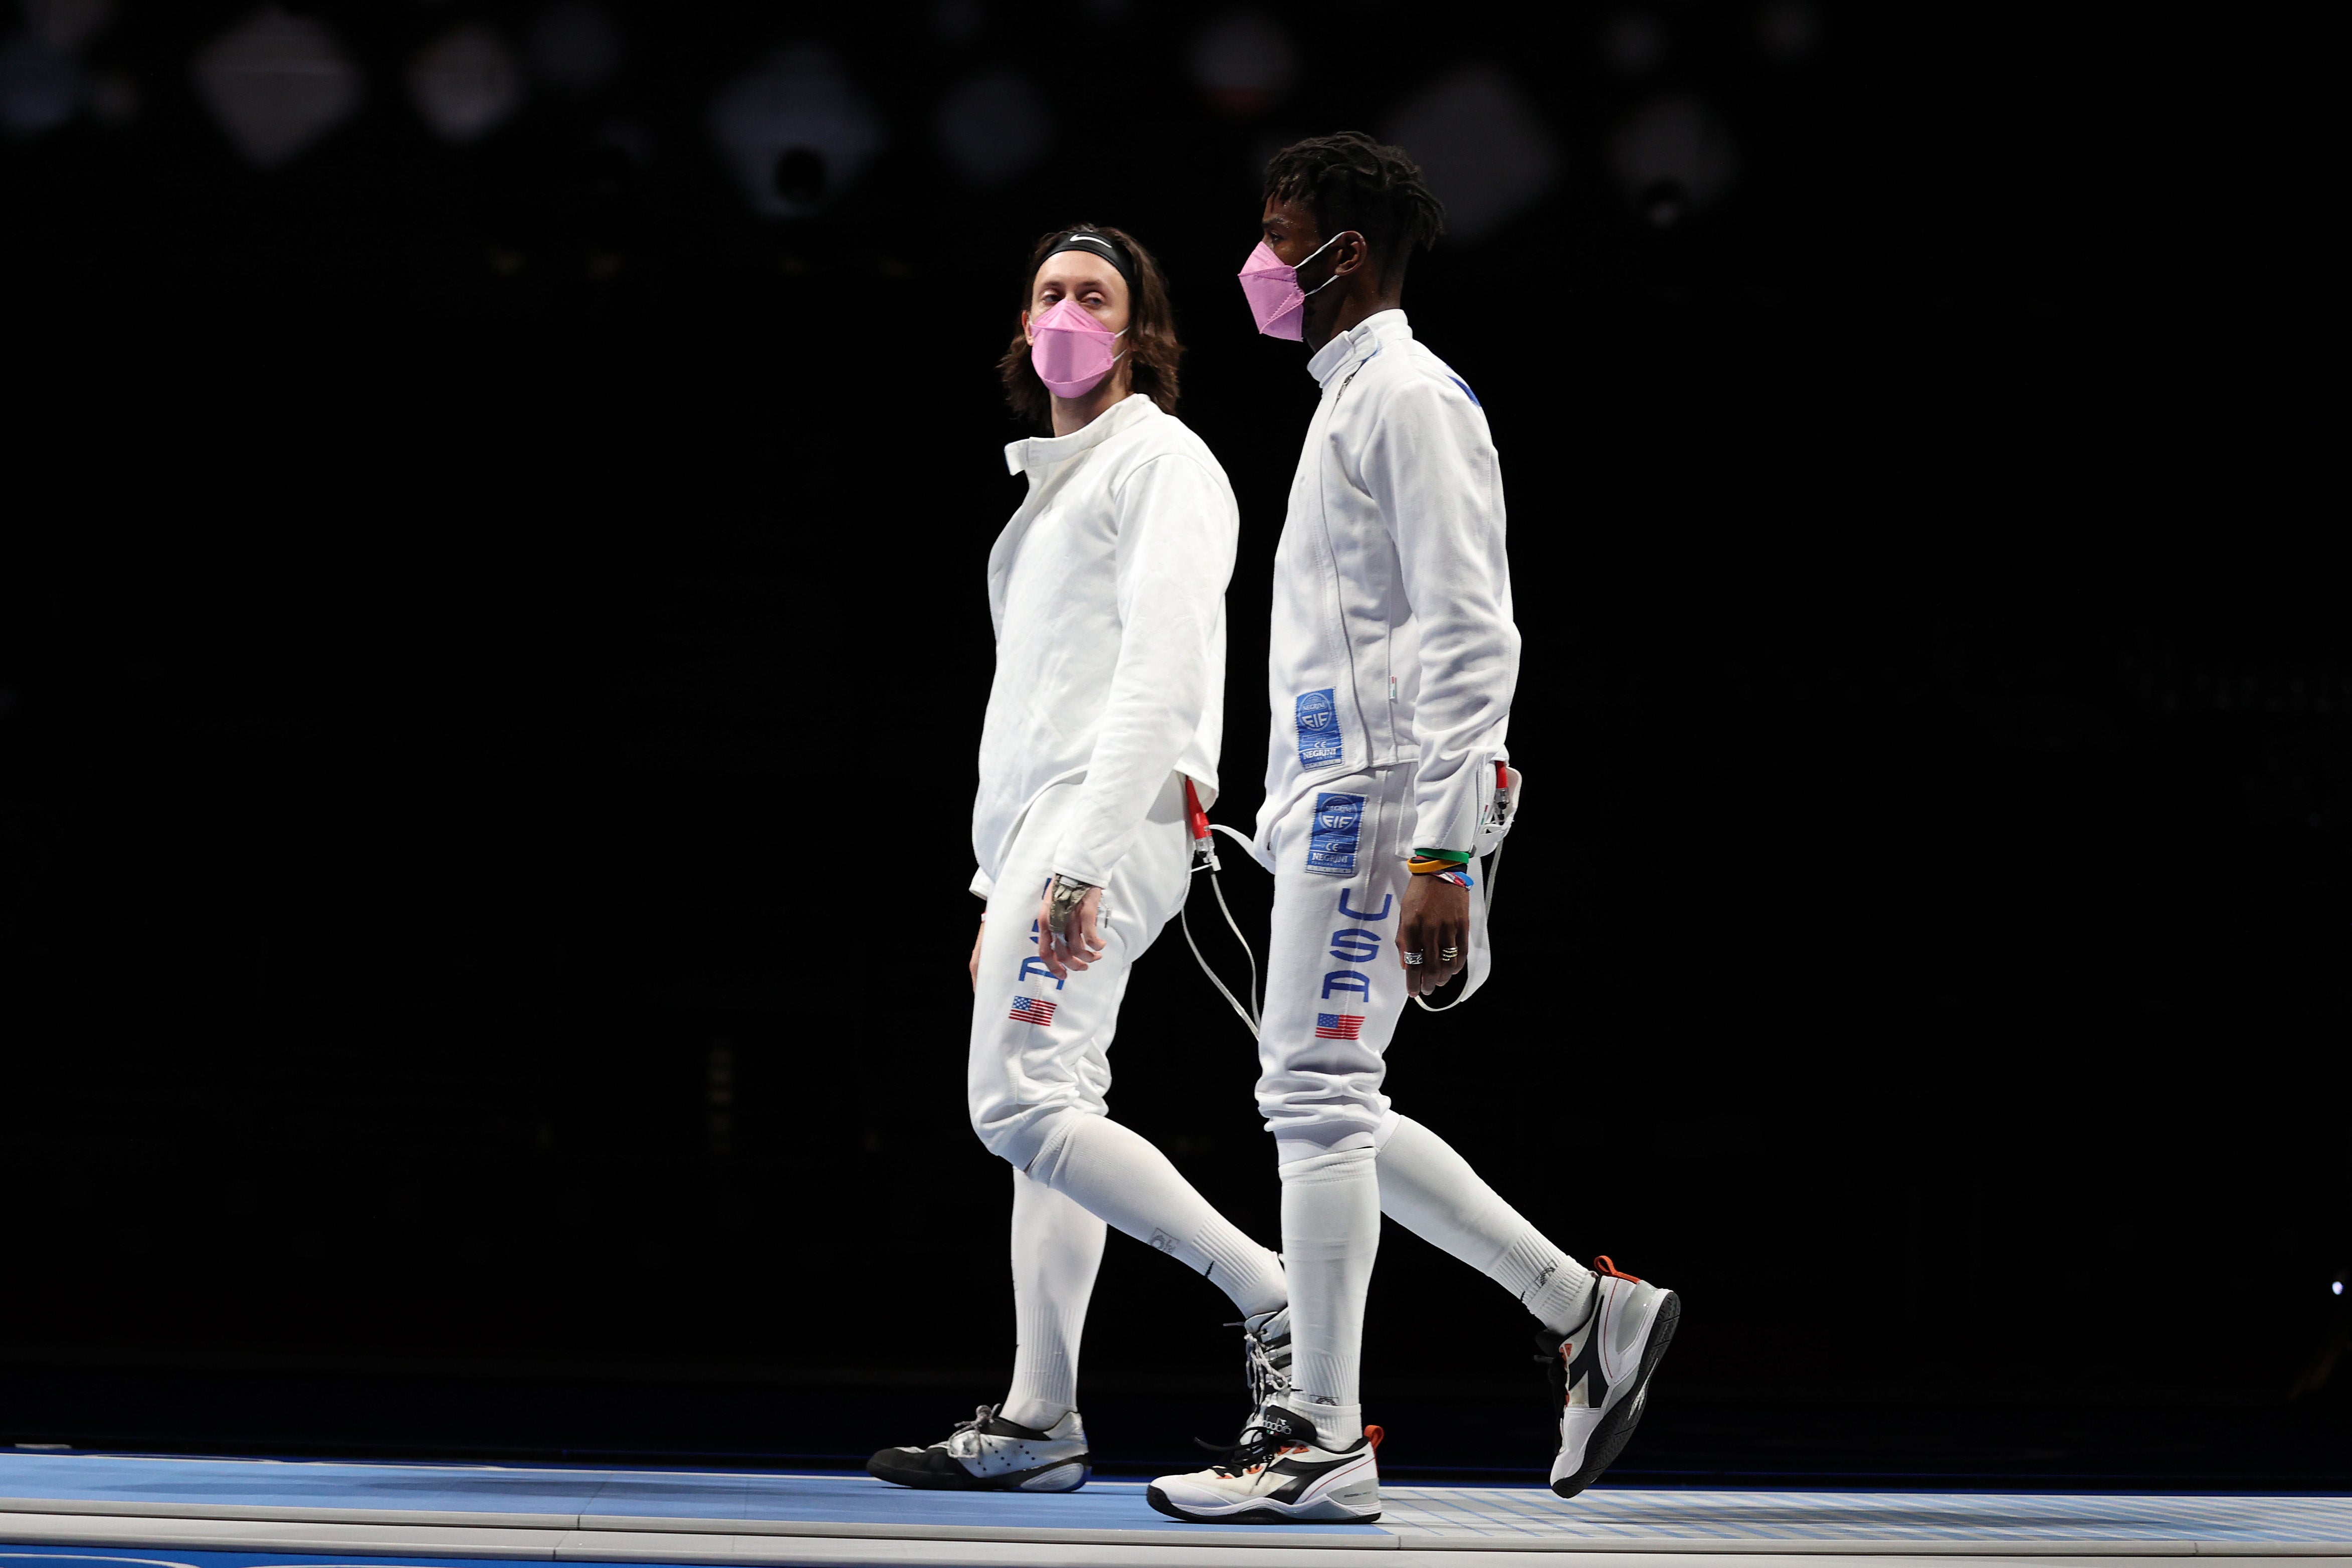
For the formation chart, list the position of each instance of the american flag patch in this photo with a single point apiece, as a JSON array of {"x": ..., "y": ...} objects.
[
  {"x": 1031, "y": 1010},
  {"x": 1339, "y": 1026}
]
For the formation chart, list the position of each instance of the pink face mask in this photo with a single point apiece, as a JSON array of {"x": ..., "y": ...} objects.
[
  {"x": 1274, "y": 297},
  {"x": 1071, "y": 350}
]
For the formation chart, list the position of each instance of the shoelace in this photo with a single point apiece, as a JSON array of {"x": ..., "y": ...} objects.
[
  {"x": 978, "y": 1425},
  {"x": 1250, "y": 1452},
  {"x": 1265, "y": 1379}
]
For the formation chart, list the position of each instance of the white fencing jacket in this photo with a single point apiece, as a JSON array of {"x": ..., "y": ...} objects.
[
  {"x": 1392, "y": 637},
  {"x": 1108, "y": 588}
]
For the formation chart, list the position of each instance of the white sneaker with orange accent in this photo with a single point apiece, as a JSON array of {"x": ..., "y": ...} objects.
[
  {"x": 1278, "y": 1474},
  {"x": 1600, "y": 1372}
]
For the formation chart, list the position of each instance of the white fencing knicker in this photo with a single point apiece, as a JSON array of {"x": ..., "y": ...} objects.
[
  {"x": 1040, "y": 1047},
  {"x": 1334, "y": 989}
]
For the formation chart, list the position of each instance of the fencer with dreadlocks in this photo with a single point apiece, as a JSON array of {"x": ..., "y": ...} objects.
[
  {"x": 1394, "y": 661},
  {"x": 1107, "y": 591}
]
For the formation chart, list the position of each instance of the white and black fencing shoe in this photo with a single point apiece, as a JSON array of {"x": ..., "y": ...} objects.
[
  {"x": 990, "y": 1453},
  {"x": 1278, "y": 1475},
  {"x": 1600, "y": 1372}
]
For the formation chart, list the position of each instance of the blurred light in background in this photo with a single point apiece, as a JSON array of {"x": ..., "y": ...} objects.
[
  {"x": 573, "y": 48},
  {"x": 1789, "y": 31},
  {"x": 39, "y": 86},
  {"x": 796, "y": 131},
  {"x": 995, "y": 126},
  {"x": 465, "y": 83},
  {"x": 1244, "y": 63},
  {"x": 277, "y": 83},
  {"x": 113, "y": 99},
  {"x": 1633, "y": 43},
  {"x": 67, "y": 24},
  {"x": 957, "y": 21},
  {"x": 1487, "y": 151},
  {"x": 1673, "y": 157}
]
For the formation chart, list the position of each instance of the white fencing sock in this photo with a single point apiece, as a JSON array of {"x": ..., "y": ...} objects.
[
  {"x": 1056, "y": 1247},
  {"x": 1116, "y": 1172},
  {"x": 1330, "y": 1233},
  {"x": 1432, "y": 1191}
]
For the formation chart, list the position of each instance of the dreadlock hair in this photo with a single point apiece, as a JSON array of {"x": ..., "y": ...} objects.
[
  {"x": 1349, "y": 181},
  {"x": 1151, "y": 346}
]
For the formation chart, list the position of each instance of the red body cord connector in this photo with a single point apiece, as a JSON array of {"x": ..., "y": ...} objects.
[{"x": 1197, "y": 816}]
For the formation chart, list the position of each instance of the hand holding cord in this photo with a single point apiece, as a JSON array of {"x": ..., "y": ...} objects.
[
  {"x": 1436, "y": 910},
  {"x": 1432, "y": 932}
]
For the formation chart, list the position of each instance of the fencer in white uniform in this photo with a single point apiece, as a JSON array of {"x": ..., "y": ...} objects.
[
  {"x": 1393, "y": 659},
  {"x": 1106, "y": 590}
]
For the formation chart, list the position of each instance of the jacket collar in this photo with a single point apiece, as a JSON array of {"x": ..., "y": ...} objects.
[
  {"x": 1039, "y": 453},
  {"x": 1350, "y": 349}
]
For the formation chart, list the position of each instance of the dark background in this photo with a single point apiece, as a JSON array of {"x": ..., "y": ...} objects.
[{"x": 492, "y": 645}]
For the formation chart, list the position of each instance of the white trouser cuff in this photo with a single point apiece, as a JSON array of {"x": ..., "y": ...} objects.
[
  {"x": 1317, "y": 1164},
  {"x": 1289, "y": 1151}
]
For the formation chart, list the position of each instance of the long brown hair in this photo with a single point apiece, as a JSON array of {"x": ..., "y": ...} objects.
[{"x": 1151, "y": 347}]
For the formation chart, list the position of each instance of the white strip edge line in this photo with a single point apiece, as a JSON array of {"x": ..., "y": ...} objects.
[
  {"x": 288, "y": 1513},
  {"x": 402, "y": 1466},
  {"x": 78, "y": 1557},
  {"x": 299, "y": 1540},
  {"x": 110, "y": 1529},
  {"x": 1524, "y": 1531}
]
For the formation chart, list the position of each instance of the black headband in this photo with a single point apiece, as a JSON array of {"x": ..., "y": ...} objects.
[{"x": 1096, "y": 245}]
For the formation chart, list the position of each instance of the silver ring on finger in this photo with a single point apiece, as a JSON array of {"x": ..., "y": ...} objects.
[
  {"x": 1448, "y": 954},
  {"x": 1412, "y": 957}
]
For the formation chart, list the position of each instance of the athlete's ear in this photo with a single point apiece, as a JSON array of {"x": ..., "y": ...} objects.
[
  {"x": 1025, "y": 331},
  {"x": 1348, "y": 252}
]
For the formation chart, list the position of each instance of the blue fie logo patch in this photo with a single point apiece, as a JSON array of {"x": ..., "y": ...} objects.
[
  {"x": 1318, "y": 718},
  {"x": 1338, "y": 823}
]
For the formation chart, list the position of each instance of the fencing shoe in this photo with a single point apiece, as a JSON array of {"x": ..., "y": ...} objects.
[
  {"x": 990, "y": 1453},
  {"x": 1600, "y": 1372},
  {"x": 1278, "y": 1474}
]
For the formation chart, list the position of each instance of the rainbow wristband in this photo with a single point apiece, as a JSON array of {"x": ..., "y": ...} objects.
[{"x": 1459, "y": 856}]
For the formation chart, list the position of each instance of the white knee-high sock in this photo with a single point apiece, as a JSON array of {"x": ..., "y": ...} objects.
[
  {"x": 1117, "y": 1173},
  {"x": 1432, "y": 1191},
  {"x": 1057, "y": 1247},
  {"x": 1330, "y": 1233}
]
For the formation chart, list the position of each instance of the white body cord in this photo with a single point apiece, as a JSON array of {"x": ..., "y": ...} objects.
[
  {"x": 1248, "y": 1014},
  {"x": 1209, "y": 863}
]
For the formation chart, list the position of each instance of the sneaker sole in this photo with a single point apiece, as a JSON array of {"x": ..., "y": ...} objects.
[
  {"x": 1258, "y": 1513},
  {"x": 1012, "y": 1481},
  {"x": 1616, "y": 1429}
]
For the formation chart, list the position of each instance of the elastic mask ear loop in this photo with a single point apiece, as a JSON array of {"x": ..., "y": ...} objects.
[{"x": 1310, "y": 293}]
